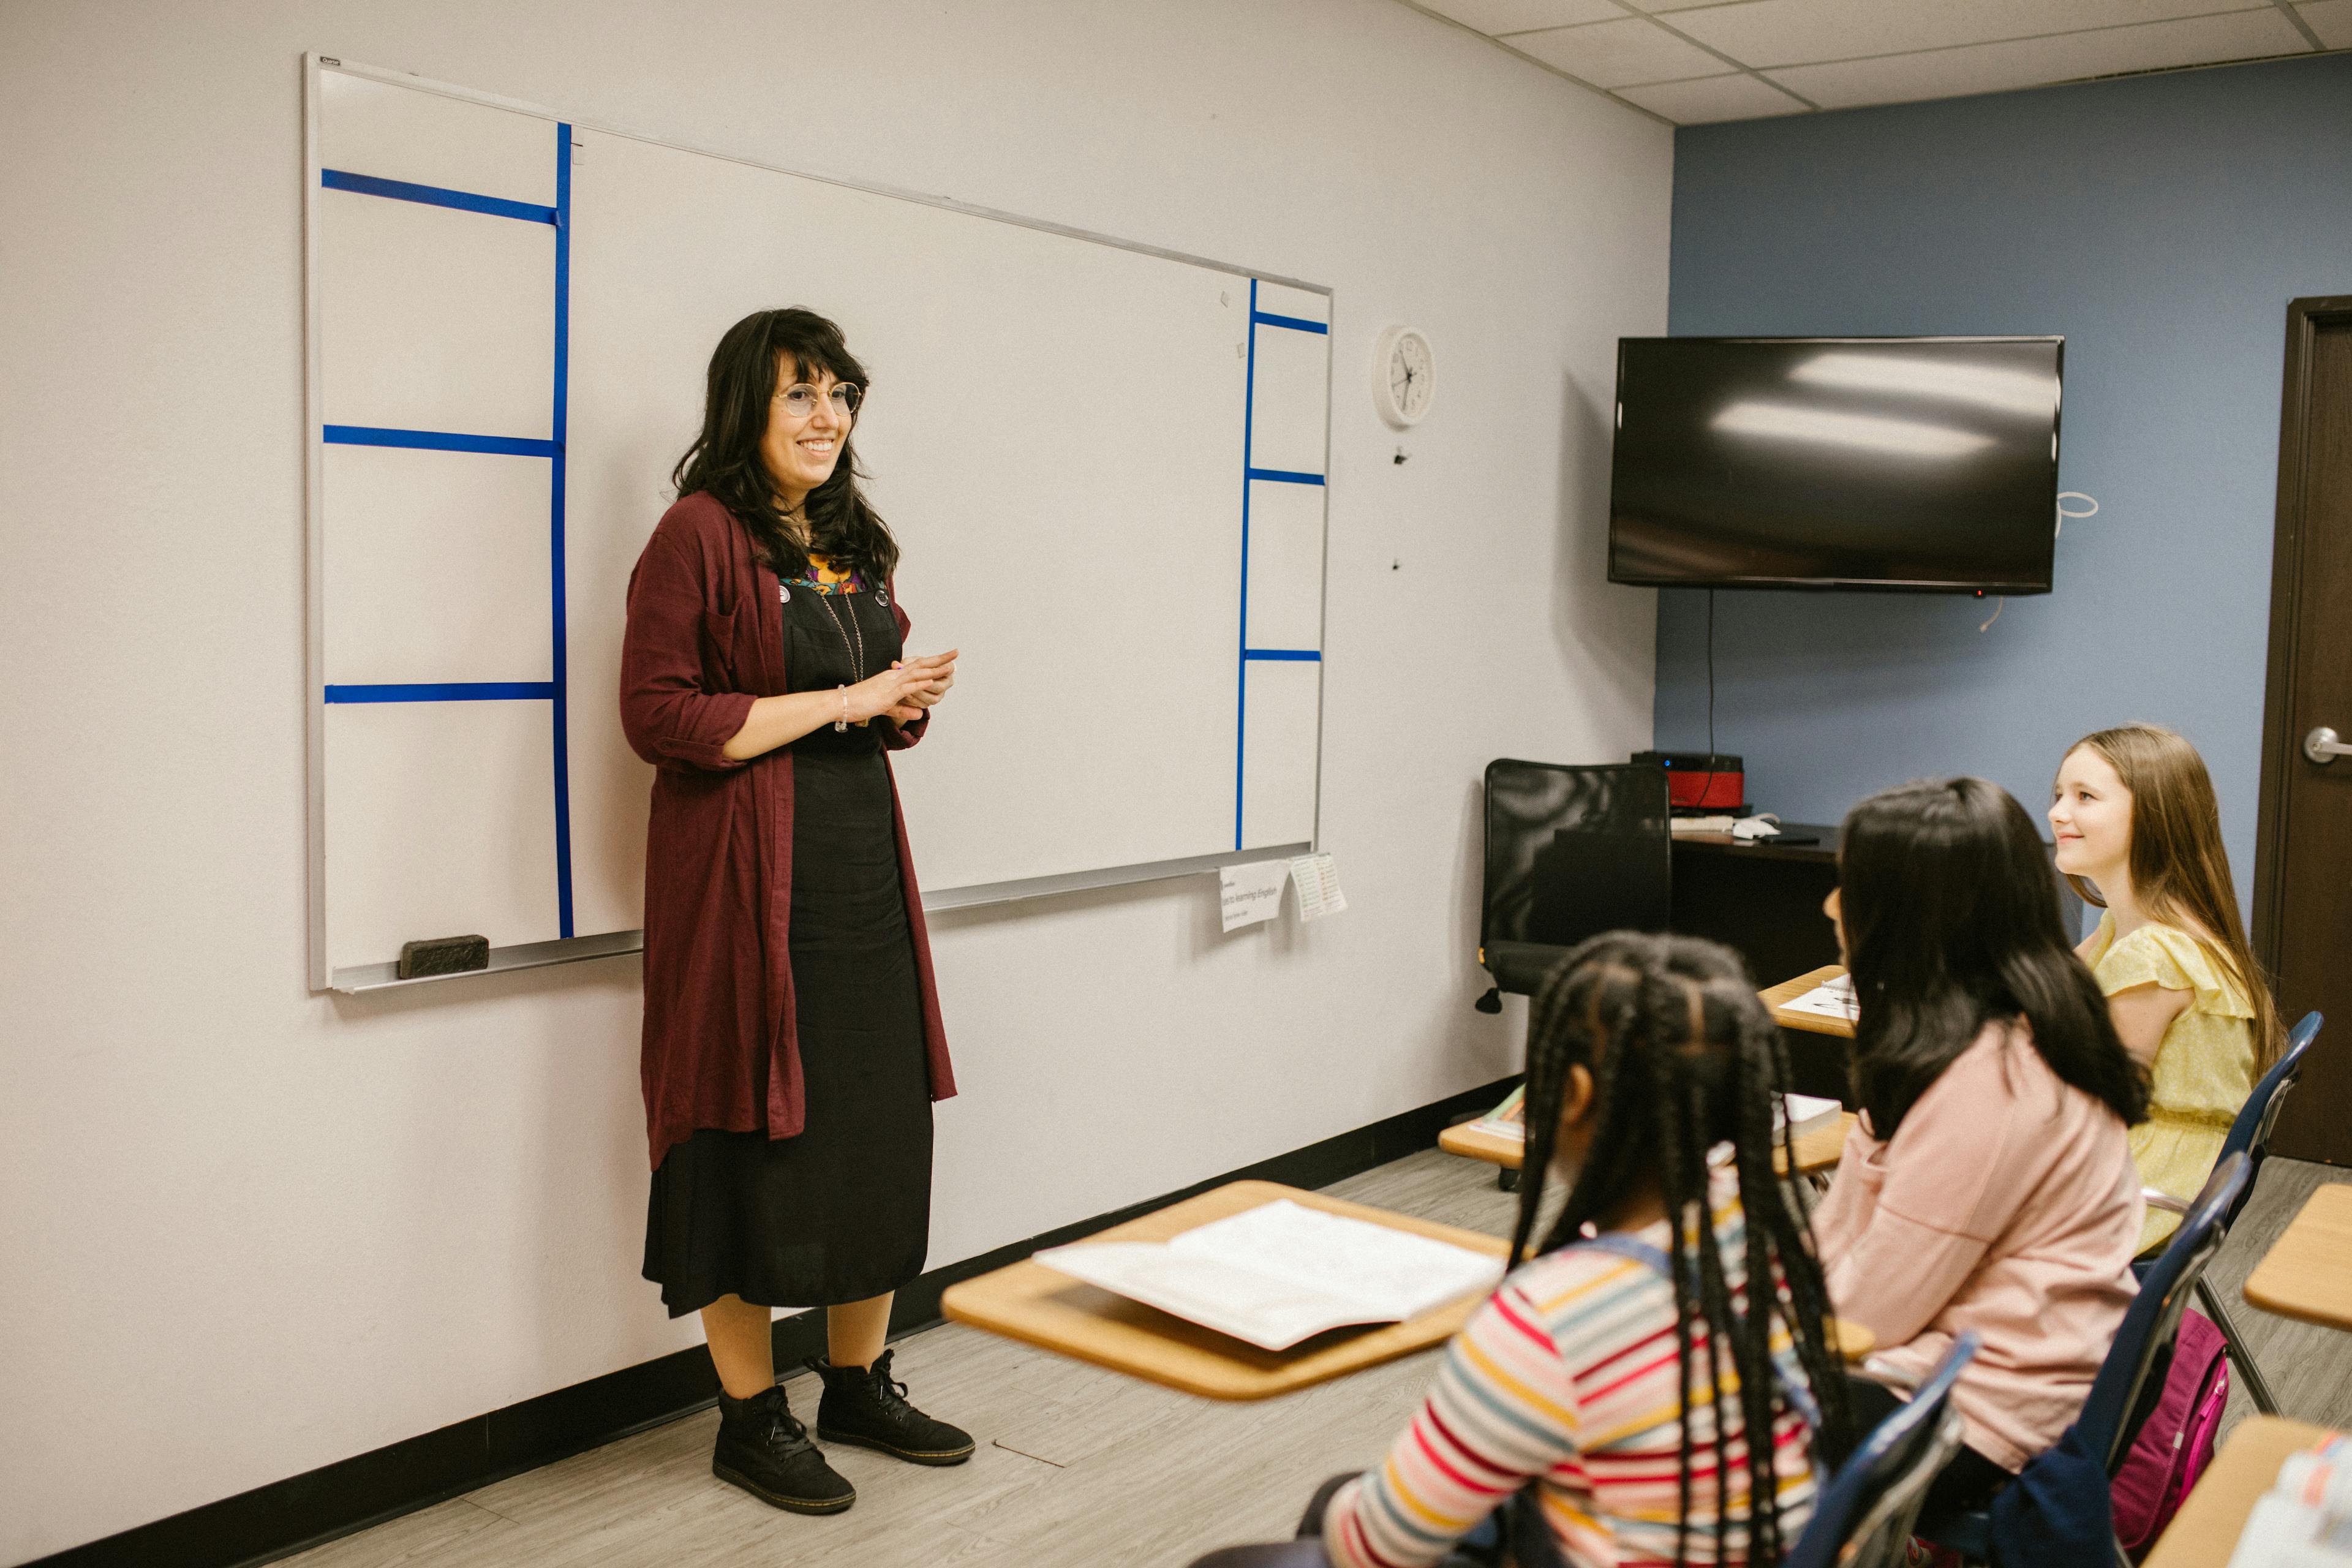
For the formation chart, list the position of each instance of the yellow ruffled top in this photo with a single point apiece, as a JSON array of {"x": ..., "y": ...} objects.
[{"x": 2204, "y": 1066}]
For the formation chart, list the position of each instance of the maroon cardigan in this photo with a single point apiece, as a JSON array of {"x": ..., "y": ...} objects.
[{"x": 721, "y": 1046}]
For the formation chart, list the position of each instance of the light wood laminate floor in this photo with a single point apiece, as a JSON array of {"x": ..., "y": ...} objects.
[{"x": 1078, "y": 1468}]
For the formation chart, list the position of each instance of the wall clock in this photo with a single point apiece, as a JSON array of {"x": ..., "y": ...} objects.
[{"x": 1403, "y": 376}]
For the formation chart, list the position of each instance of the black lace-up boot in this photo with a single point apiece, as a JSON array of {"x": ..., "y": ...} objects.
[
  {"x": 865, "y": 1406},
  {"x": 767, "y": 1452}
]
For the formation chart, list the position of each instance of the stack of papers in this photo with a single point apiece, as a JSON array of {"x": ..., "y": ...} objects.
[
  {"x": 1282, "y": 1272},
  {"x": 2305, "y": 1521},
  {"x": 1508, "y": 1120},
  {"x": 1808, "y": 1113}
]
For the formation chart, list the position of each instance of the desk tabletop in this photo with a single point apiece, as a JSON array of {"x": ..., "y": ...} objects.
[
  {"x": 2307, "y": 1272},
  {"x": 1038, "y": 1305},
  {"x": 1823, "y": 850},
  {"x": 1816, "y": 1150},
  {"x": 1776, "y": 996},
  {"x": 2205, "y": 1531}
]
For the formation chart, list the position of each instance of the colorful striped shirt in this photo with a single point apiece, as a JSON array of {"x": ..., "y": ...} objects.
[{"x": 1569, "y": 1374}]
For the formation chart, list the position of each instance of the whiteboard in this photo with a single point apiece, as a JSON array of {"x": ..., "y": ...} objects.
[{"x": 1095, "y": 457}]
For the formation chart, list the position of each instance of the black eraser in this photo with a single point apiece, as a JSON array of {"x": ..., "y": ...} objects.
[{"x": 444, "y": 955}]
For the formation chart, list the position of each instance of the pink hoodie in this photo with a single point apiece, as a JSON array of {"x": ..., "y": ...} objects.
[{"x": 2005, "y": 1203}]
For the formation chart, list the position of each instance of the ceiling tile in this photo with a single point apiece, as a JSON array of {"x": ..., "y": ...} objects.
[
  {"x": 1998, "y": 68},
  {"x": 1714, "y": 98},
  {"x": 1618, "y": 53},
  {"x": 2332, "y": 20},
  {"x": 1805, "y": 32},
  {"x": 1665, "y": 5},
  {"x": 1518, "y": 16}
]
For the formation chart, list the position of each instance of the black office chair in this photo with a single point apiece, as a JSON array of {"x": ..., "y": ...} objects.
[{"x": 1571, "y": 851}]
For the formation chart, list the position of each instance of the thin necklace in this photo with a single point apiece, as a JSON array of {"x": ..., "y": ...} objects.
[{"x": 856, "y": 650}]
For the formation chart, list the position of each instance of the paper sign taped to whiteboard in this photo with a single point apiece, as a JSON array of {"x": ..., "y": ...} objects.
[
  {"x": 1251, "y": 893},
  {"x": 1318, "y": 886}
]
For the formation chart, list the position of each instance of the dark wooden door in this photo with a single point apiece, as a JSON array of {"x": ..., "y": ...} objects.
[{"x": 2303, "y": 884}]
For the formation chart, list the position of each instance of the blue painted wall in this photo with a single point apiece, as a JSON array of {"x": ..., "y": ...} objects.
[{"x": 2161, "y": 224}]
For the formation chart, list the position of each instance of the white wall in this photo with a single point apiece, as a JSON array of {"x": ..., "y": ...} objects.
[{"x": 249, "y": 1231}]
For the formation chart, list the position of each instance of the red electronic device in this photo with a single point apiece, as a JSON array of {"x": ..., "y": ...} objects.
[{"x": 1699, "y": 781}]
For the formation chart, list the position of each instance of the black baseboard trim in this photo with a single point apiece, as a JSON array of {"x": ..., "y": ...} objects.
[{"x": 305, "y": 1511}]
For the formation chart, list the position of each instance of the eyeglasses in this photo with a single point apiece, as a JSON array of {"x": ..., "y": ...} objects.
[{"x": 800, "y": 399}]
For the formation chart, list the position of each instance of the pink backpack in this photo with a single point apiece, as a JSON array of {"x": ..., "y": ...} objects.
[{"x": 2176, "y": 1442}]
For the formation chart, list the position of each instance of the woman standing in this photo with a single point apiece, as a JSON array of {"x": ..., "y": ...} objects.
[{"x": 793, "y": 1041}]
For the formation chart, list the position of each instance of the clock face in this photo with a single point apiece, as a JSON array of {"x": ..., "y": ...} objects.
[{"x": 1408, "y": 380}]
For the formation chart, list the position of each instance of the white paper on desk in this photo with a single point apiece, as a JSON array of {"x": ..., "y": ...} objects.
[
  {"x": 1251, "y": 893},
  {"x": 1281, "y": 1272},
  {"x": 1823, "y": 1001},
  {"x": 1318, "y": 886},
  {"x": 2283, "y": 1533},
  {"x": 2305, "y": 1521}
]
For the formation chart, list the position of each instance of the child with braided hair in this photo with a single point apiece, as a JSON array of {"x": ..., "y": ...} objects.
[{"x": 1656, "y": 1364}]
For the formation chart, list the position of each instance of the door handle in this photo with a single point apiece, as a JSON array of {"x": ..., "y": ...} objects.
[{"x": 2322, "y": 746}]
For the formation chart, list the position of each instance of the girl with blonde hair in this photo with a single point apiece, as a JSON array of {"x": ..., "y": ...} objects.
[{"x": 2139, "y": 835}]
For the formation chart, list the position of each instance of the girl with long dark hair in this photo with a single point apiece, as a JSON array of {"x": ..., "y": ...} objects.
[
  {"x": 2139, "y": 836},
  {"x": 1987, "y": 1186},
  {"x": 1656, "y": 1364},
  {"x": 793, "y": 1040}
]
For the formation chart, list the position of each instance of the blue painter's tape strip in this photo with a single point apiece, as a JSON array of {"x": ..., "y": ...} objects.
[
  {"x": 1241, "y": 696},
  {"x": 434, "y": 197},
  {"x": 446, "y": 691},
  {"x": 1284, "y": 655},
  {"x": 441, "y": 441},
  {"x": 560, "y": 418},
  {"x": 1285, "y": 477},
  {"x": 1295, "y": 323}
]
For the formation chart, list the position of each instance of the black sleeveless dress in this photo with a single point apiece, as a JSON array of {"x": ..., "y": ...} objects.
[{"x": 843, "y": 1211}]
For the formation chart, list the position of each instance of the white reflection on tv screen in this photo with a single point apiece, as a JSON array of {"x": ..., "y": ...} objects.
[{"x": 1926, "y": 463}]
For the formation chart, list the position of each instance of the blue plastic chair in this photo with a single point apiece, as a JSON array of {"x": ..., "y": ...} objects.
[
  {"x": 2133, "y": 1375},
  {"x": 2250, "y": 1135},
  {"x": 1869, "y": 1506}
]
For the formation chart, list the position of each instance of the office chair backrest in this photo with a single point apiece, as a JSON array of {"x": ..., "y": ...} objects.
[
  {"x": 2133, "y": 1375},
  {"x": 1574, "y": 851},
  {"x": 2250, "y": 1134},
  {"x": 1863, "y": 1514}
]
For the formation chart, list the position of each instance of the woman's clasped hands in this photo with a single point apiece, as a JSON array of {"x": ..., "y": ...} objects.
[{"x": 906, "y": 691}]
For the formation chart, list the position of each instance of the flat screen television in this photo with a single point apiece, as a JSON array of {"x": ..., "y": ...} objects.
[{"x": 1920, "y": 463}]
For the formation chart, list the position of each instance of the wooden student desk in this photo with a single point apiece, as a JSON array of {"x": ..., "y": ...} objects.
[
  {"x": 1777, "y": 997},
  {"x": 1032, "y": 1303},
  {"x": 2307, "y": 1272},
  {"x": 2205, "y": 1531},
  {"x": 1037, "y": 1306},
  {"x": 1816, "y": 1150}
]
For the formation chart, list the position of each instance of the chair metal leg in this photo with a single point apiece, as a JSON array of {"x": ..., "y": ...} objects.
[{"x": 2242, "y": 1355}]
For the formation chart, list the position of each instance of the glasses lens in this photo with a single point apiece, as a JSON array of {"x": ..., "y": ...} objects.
[{"x": 800, "y": 400}]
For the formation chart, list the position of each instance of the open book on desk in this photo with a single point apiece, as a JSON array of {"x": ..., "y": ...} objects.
[{"x": 1281, "y": 1272}]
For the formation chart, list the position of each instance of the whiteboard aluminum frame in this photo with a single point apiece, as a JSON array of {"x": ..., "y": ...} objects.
[{"x": 355, "y": 978}]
